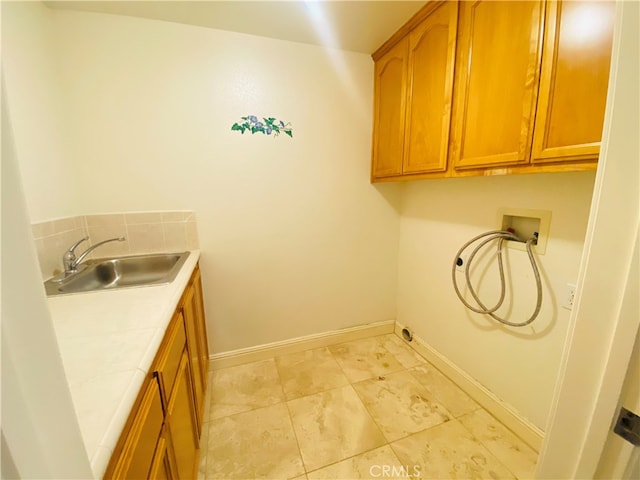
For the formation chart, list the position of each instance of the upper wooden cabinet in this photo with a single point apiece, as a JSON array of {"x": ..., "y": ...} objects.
[
  {"x": 432, "y": 48},
  {"x": 498, "y": 63},
  {"x": 412, "y": 97},
  {"x": 389, "y": 111},
  {"x": 529, "y": 82},
  {"x": 574, "y": 80}
]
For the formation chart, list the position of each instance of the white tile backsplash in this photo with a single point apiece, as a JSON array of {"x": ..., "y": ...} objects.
[
  {"x": 146, "y": 237},
  {"x": 143, "y": 218},
  {"x": 144, "y": 232},
  {"x": 105, "y": 219}
]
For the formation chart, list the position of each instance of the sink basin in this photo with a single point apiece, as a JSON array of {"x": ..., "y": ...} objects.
[{"x": 121, "y": 272}]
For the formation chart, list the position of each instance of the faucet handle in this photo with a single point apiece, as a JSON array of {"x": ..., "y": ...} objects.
[
  {"x": 69, "y": 257},
  {"x": 73, "y": 247}
]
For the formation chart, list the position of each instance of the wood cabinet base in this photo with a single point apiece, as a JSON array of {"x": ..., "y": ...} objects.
[{"x": 161, "y": 438}]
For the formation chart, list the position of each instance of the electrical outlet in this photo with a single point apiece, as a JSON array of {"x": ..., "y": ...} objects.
[{"x": 569, "y": 296}]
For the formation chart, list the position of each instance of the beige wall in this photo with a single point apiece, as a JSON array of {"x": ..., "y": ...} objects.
[
  {"x": 294, "y": 239},
  {"x": 37, "y": 110},
  {"x": 438, "y": 217},
  {"x": 39, "y": 427}
]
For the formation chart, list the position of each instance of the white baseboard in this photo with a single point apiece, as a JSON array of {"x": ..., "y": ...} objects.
[
  {"x": 528, "y": 432},
  {"x": 299, "y": 344}
]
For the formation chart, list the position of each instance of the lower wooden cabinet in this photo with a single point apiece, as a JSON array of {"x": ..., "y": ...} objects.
[
  {"x": 164, "y": 463},
  {"x": 138, "y": 448},
  {"x": 183, "y": 422},
  {"x": 161, "y": 438},
  {"x": 195, "y": 330}
]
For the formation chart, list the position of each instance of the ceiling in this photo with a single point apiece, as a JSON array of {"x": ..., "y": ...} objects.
[{"x": 360, "y": 25}]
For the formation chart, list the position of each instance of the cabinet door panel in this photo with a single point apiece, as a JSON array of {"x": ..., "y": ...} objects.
[
  {"x": 182, "y": 421},
  {"x": 574, "y": 80},
  {"x": 163, "y": 467},
  {"x": 201, "y": 327},
  {"x": 139, "y": 448},
  {"x": 169, "y": 357},
  {"x": 431, "y": 67},
  {"x": 496, "y": 85},
  {"x": 190, "y": 312},
  {"x": 390, "y": 87}
]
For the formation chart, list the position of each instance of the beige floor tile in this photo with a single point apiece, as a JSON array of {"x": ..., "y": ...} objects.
[
  {"x": 516, "y": 455},
  {"x": 444, "y": 390},
  {"x": 204, "y": 442},
  {"x": 332, "y": 426},
  {"x": 204, "y": 436},
  {"x": 400, "y": 405},
  {"x": 256, "y": 444},
  {"x": 207, "y": 400},
  {"x": 309, "y": 372},
  {"x": 378, "y": 463},
  {"x": 364, "y": 359},
  {"x": 403, "y": 352},
  {"x": 449, "y": 451},
  {"x": 245, "y": 387}
]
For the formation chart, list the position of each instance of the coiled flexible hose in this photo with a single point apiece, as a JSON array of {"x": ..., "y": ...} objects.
[{"x": 501, "y": 236}]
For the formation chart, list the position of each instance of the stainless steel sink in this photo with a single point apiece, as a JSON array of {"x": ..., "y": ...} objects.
[{"x": 121, "y": 272}]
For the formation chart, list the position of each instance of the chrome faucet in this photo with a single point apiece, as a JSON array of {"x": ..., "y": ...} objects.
[
  {"x": 69, "y": 257},
  {"x": 69, "y": 260}
]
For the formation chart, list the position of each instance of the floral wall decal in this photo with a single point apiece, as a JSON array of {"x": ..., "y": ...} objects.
[{"x": 268, "y": 126}]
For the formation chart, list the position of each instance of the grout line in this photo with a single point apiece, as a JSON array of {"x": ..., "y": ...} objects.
[
  {"x": 206, "y": 425},
  {"x": 386, "y": 444},
  {"x": 295, "y": 435},
  {"x": 478, "y": 440}
]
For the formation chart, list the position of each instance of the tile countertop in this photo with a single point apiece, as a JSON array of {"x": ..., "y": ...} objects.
[{"x": 108, "y": 341}]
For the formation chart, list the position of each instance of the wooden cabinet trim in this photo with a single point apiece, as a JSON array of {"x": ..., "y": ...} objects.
[
  {"x": 578, "y": 165},
  {"x": 404, "y": 30}
]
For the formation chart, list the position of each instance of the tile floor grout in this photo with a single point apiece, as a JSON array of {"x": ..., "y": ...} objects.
[
  {"x": 295, "y": 434},
  {"x": 296, "y": 396}
]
